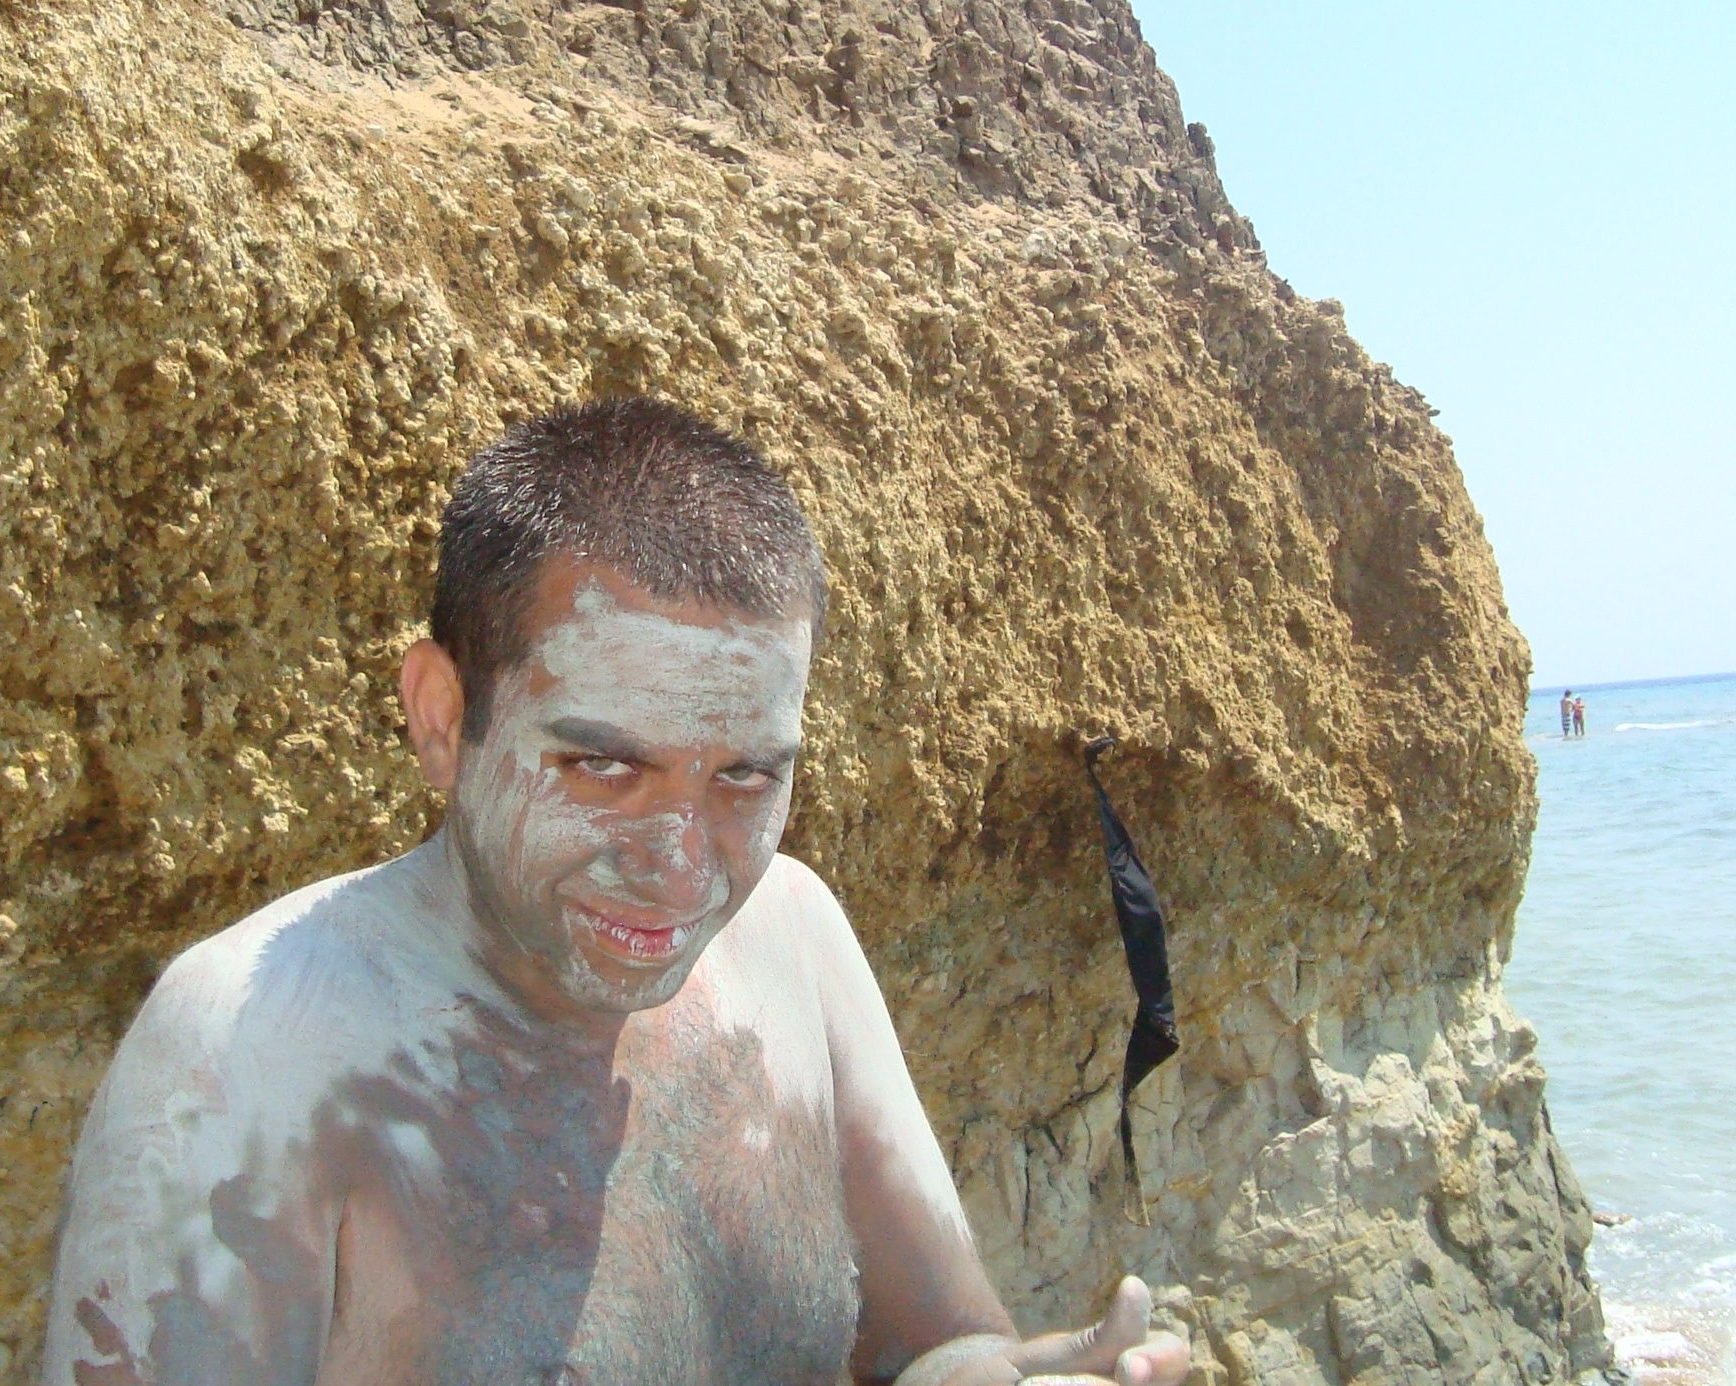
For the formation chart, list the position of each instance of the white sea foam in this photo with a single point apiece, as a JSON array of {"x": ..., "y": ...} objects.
[
  {"x": 1669, "y": 1301},
  {"x": 1665, "y": 1344},
  {"x": 1671, "y": 726}
]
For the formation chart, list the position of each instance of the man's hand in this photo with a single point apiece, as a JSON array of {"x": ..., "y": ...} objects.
[{"x": 1119, "y": 1349}]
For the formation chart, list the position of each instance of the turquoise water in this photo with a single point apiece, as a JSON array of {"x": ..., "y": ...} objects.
[{"x": 1625, "y": 961}]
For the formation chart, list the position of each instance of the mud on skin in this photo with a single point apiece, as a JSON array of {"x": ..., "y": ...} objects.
[{"x": 571, "y": 1227}]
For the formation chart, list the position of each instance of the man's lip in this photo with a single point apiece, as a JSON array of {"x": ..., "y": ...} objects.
[
  {"x": 636, "y": 917},
  {"x": 638, "y": 938}
]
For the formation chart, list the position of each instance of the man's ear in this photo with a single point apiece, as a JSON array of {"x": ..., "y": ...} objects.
[{"x": 433, "y": 697}]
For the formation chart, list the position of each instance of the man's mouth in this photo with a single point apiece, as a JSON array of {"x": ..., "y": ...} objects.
[{"x": 633, "y": 943}]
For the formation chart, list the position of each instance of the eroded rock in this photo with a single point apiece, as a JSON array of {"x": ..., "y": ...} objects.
[{"x": 1078, "y": 461}]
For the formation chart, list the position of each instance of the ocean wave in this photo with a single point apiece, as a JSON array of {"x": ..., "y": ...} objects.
[
  {"x": 1667, "y": 1256},
  {"x": 1672, "y": 1343},
  {"x": 1673, "y": 726},
  {"x": 1669, "y": 1298}
]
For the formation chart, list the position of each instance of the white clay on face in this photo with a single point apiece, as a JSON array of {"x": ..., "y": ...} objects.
[
  {"x": 676, "y": 684},
  {"x": 731, "y": 690}
]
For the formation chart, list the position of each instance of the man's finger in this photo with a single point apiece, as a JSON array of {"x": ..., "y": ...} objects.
[
  {"x": 1128, "y": 1322},
  {"x": 1162, "y": 1360},
  {"x": 1093, "y": 1351}
]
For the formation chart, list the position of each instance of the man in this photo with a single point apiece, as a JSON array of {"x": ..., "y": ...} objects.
[
  {"x": 593, "y": 1086},
  {"x": 1566, "y": 714}
]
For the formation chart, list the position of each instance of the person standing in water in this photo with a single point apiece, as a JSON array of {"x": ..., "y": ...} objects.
[
  {"x": 593, "y": 1087},
  {"x": 1566, "y": 714},
  {"x": 1579, "y": 716}
]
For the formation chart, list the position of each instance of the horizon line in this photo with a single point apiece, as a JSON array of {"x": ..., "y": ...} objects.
[{"x": 1537, "y": 688}]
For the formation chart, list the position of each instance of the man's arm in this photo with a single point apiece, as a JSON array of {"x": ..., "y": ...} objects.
[
  {"x": 921, "y": 1281},
  {"x": 192, "y": 1250},
  {"x": 929, "y": 1315}
]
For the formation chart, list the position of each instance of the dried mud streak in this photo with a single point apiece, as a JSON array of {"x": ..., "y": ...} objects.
[{"x": 1078, "y": 459}]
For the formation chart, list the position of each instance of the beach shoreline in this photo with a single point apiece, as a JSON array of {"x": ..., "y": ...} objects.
[{"x": 1665, "y": 1344}]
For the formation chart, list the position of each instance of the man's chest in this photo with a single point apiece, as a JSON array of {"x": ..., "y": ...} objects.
[{"x": 684, "y": 1223}]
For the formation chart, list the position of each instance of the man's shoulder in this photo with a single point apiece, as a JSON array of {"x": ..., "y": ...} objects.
[
  {"x": 306, "y": 969},
  {"x": 792, "y": 919},
  {"x": 791, "y": 889},
  {"x": 308, "y": 924},
  {"x": 796, "y": 927}
]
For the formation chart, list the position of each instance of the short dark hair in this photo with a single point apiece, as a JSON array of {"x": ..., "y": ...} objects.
[{"x": 676, "y": 506}]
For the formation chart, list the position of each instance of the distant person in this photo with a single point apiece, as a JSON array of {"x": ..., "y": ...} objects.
[
  {"x": 1579, "y": 716},
  {"x": 1567, "y": 714}
]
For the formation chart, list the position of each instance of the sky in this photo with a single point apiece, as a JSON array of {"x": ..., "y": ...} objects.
[{"x": 1526, "y": 210}]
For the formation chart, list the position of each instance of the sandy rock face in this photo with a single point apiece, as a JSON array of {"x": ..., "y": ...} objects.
[{"x": 1079, "y": 461}]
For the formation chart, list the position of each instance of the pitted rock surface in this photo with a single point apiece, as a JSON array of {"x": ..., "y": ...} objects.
[{"x": 1077, "y": 458}]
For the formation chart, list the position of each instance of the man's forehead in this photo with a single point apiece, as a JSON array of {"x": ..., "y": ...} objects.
[
  {"x": 583, "y": 595},
  {"x": 678, "y": 673}
]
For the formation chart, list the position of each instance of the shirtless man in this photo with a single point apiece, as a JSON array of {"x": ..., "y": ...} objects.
[{"x": 591, "y": 1088}]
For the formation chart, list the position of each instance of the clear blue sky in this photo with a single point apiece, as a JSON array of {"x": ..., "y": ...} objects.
[{"x": 1527, "y": 210}]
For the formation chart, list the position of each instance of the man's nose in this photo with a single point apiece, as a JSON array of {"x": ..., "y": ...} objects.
[{"x": 669, "y": 860}]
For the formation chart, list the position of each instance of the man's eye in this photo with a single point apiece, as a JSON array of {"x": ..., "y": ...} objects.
[
  {"x": 746, "y": 777},
  {"x": 600, "y": 767}
]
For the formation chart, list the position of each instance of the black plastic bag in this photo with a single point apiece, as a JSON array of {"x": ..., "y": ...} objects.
[{"x": 1153, "y": 1038}]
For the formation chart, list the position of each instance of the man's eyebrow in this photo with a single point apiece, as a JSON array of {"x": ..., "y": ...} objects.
[
  {"x": 772, "y": 757},
  {"x": 601, "y": 738},
  {"x": 606, "y": 739}
]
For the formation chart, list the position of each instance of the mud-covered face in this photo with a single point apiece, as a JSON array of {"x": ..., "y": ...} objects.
[{"x": 631, "y": 789}]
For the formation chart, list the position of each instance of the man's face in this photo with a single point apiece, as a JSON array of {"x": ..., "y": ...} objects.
[{"x": 632, "y": 786}]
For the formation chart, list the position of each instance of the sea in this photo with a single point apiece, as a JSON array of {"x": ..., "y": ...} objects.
[{"x": 1625, "y": 962}]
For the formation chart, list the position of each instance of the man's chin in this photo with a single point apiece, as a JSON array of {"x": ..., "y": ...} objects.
[{"x": 622, "y": 992}]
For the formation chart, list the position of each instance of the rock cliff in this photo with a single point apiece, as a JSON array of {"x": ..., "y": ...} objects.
[{"x": 1078, "y": 459}]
